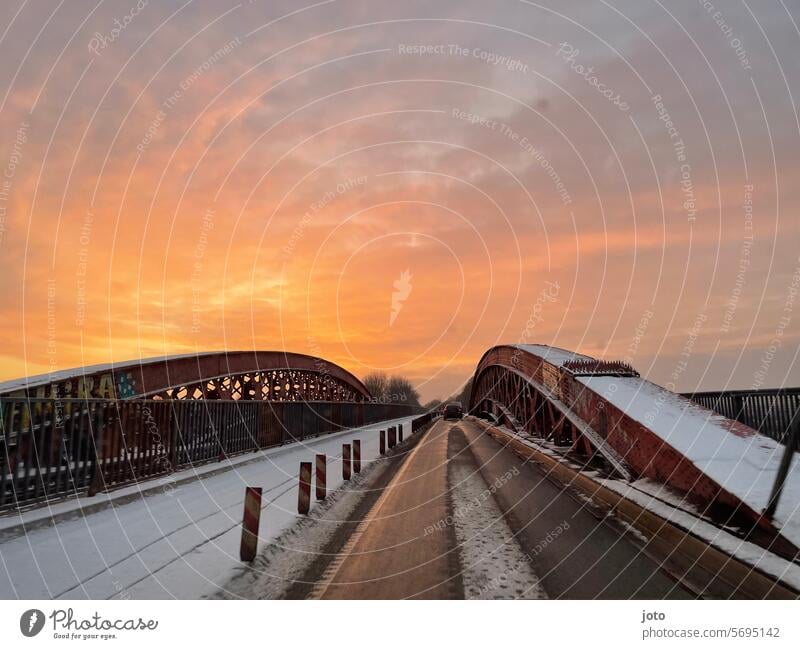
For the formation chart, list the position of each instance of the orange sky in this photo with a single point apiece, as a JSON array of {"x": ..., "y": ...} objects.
[{"x": 259, "y": 177}]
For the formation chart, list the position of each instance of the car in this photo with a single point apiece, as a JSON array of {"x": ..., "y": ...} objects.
[{"x": 453, "y": 410}]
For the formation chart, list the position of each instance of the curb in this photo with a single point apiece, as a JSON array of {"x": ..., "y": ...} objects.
[{"x": 732, "y": 577}]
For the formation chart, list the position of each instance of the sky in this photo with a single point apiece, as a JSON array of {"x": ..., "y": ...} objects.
[{"x": 399, "y": 186}]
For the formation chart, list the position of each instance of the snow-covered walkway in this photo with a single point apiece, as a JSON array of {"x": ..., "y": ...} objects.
[{"x": 167, "y": 540}]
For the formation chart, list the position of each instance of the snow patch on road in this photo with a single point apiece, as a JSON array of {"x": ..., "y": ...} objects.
[{"x": 493, "y": 564}]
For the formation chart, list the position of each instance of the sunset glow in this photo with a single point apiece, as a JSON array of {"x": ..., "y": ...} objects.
[{"x": 259, "y": 176}]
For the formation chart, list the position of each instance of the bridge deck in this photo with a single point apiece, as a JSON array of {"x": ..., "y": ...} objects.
[{"x": 466, "y": 515}]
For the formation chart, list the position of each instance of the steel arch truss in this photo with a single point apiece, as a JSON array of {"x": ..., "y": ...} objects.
[
  {"x": 252, "y": 375},
  {"x": 525, "y": 407},
  {"x": 271, "y": 385},
  {"x": 567, "y": 401}
]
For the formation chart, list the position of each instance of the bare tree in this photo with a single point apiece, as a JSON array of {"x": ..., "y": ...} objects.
[
  {"x": 377, "y": 383},
  {"x": 391, "y": 389},
  {"x": 401, "y": 390}
]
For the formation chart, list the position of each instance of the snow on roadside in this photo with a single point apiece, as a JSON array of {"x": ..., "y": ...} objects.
[
  {"x": 749, "y": 553},
  {"x": 176, "y": 542},
  {"x": 642, "y": 493},
  {"x": 743, "y": 466},
  {"x": 492, "y": 562},
  {"x": 287, "y": 558}
]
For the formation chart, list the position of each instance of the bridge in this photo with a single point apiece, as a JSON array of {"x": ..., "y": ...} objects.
[
  {"x": 105, "y": 426},
  {"x": 630, "y": 428},
  {"x": 570, "y": 477}
]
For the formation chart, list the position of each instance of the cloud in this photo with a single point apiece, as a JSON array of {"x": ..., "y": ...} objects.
[{"x": 258, "y": 177}]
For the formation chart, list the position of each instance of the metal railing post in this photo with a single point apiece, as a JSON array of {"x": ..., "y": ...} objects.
[{"x": 786, "y": 461}]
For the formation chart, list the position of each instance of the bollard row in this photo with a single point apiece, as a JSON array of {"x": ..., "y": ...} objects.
[{"x": 351, "y": 462}]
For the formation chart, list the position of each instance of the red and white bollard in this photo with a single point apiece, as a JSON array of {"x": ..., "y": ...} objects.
[
  {"x": 304, "y": 494},
  {"x": 383, "y": 442},
  {"x": 250, "y": 521},
  {"x": 400, "y": 433},
  {"x": 322, "y": 466},
  {"x": 356, "y": 456},
  {"x": 346, "y": 467}
]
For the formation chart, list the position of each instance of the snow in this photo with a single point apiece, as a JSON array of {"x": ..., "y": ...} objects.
[
  {"x": 36, "y": 380},
  {"x": 554, "y": 355},
  {"x": 640, "y": 493},
  {"x": 179, "y": 539},
  {"x": 287, "y": 558},
  {"x": 749, "y": 553},
  {"x": 744, "y": 465},
  {"x": 63, "y": 375},
  {"x": 666, "y": 494},
  {"x": 493, "y": 564}
]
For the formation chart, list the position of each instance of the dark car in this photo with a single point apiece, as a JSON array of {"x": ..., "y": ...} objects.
[{"x": 453, "y": 410}]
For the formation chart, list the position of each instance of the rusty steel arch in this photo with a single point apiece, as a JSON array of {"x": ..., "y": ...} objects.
[
  {"x": 519, "y": 387},
  {"x": 594, "y": 411},
  {"x": 244, "y": 375}
]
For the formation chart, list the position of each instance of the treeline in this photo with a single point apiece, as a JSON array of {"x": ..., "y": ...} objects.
[
  {"x": 386, "y": 388},
  {"x": 391, "y": 389}
]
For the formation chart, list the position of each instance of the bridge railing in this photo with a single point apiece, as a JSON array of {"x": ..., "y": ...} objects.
[
  {"x": 768, "y": 411},
  {"x": 58, "y": 447},
  {"x": 418, "y": 423}
]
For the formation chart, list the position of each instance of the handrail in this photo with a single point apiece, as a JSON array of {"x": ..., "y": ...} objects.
[{"x": 59, "y": 447}]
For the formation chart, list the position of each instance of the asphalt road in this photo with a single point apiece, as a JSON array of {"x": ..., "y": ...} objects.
[
  {"x": 456, "y": 492},
  {"x": 389, "y": 556}
]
